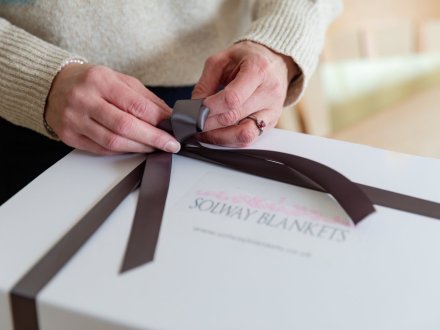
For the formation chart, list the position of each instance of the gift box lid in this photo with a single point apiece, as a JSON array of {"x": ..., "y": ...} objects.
[{"x": 235, "y": 251}]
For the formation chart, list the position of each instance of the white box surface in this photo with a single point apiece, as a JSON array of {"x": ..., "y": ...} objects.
[{"x": 235, "y": 251}]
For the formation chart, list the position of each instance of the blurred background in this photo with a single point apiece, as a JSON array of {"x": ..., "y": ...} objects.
[{"x": 378, "y": 82}]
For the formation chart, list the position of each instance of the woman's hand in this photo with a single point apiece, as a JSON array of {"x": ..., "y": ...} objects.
[
  {"x": 96, "y": 109},
  {"x": 255, "y": 81}
]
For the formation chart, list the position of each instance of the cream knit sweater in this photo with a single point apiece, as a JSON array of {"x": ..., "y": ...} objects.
[{"x": 160, "y": 42}]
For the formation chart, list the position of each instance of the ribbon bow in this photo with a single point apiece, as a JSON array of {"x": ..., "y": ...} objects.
[{"x": 187, "y": 119}]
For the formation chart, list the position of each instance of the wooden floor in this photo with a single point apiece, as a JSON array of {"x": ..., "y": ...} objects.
[{"x": 412, "y": 126}]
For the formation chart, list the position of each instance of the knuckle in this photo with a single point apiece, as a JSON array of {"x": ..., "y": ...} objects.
[
  {"x": 276, "y": 90},
  {"x": 211, "y": 61},
  {"x": 217, "y": 60},
  {"x": 74, "y": 96},
  {"x": 228, "y": 118},
  {"x": 94, "y": 74},
  {"x": 123, "y": 126},
  {"x": 199, "y": 89},
  {"x": 232, "y": 100},
  {"x": 214, "y": 60},
  {"x": 157, "y": 141},
  {"x": 137, "y": 108},
  {"x": 101, "y": 108},
  {"x": 275, "y": 86},
  {"x": 67, "y": 120},
  {"x": 133, "y": 81},
  {"x": 258, "y": 64},
  {"x": 245, "y": 136},
  {"x": 112, "y": 142}
]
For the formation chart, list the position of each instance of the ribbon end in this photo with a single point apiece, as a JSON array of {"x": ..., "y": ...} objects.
[
  {"x": 362, "y": 212},
  {"x": 133, "y": 263}
]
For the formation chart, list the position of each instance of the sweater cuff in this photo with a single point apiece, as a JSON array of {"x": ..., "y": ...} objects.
[
  {"x": 28, "y": 66},
  {"x": 296, "y": 29}
]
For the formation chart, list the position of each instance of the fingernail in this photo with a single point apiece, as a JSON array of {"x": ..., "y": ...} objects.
[{"x": 172, "y": 146}]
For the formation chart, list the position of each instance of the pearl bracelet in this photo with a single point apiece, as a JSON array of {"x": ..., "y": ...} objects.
[
  {"x": 72, "y": 61},
  {"x": 49, "y": 129}
]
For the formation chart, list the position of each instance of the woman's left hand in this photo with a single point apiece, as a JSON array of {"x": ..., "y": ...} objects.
[{"x": 255, "y": 81}]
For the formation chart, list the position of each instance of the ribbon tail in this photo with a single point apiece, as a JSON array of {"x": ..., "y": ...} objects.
[
  {"x": 402, "y": 202},
  {"x": 23, "y": 295},
  {"x": 145, "y": 230},
  {"x": 293, "y": 170},
  {"x": 355, "y": 202},
  {"x": 251, "y": 165}
]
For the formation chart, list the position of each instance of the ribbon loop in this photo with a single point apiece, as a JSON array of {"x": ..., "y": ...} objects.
[{"x": 188, "y": 118}]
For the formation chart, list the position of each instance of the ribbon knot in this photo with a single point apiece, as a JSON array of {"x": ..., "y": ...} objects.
[{"x": 188, "y": 118}]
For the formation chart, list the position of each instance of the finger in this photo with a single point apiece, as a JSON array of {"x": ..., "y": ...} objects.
[
  {"x": 84, "y": 143},
  {"x": 141, "y": 89},
  {"x": 136, "y": 104},
  {"x": 259, "y": 100},
  {"x": 211, "y": 77},
  {"x": 110, "y": 140},
  {"x": 241, "y": 135},
  {"x": 128, "y": 126},
  {"x": 227, "y": 105}
]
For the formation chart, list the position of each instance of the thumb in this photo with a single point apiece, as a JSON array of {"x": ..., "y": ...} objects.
[{"x": 211, "y": 77}]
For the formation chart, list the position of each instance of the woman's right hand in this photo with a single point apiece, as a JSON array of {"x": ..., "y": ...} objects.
[{"x": 96, "y": 109}]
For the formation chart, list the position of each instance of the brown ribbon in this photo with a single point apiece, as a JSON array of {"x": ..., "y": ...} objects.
[
  {"x": 23, "y": 295},
  {"x": 187, "y": 119}
]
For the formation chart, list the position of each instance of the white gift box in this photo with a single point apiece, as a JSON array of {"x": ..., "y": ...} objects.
[{"x": 235, "y": 251}]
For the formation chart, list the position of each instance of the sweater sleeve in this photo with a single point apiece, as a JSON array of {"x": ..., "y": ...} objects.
[
  {"x": 27, "y": 67},
  {"x": 295, "y": 28}
]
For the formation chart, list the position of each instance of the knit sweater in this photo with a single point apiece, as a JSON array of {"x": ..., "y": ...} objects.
[{"x": 162, "y": 42}]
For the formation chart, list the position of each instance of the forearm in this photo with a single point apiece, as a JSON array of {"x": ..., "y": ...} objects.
[{"x": 28, "y": 66}]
